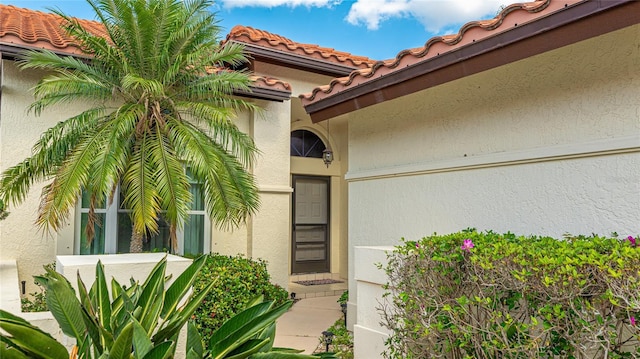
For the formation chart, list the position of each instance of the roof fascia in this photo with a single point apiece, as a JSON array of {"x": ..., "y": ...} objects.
[
  {"x": 579, "y": 22},
  {"x": 296, "y": 61},
  {"x": 264, "y": 94}
]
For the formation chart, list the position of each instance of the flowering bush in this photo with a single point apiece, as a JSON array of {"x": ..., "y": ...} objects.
[{"x": 489, "y": 295}]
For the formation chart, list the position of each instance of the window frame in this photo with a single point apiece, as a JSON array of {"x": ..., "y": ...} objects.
[{"x": 111, "y": 227}]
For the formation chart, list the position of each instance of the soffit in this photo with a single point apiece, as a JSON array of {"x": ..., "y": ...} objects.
[{"x": 517, "y": 32}]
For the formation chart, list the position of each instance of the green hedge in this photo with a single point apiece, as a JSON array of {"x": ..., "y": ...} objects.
[
  {"x": 238, "y": 280},
  {"x": 489, "y": 295}
]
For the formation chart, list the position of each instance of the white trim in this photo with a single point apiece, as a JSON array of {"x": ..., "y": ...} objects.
[
  {"x": 275, "y": 189},
  {"x": 111, "y": 227},
  {"x": 604, "y": 147}
]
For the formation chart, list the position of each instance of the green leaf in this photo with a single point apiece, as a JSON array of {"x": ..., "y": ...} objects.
[
  {"x": 7, "y": 352},
  {"x": 141, "y": 342},
  {"x": 30, "y": 338},
  {"x": 238, "y": 330},
  {"x": 194, "y": 340},
  {"x": 172, "y": 327},
  {"x": 102, "y": 298},
  {"x": 65, "y": 307},
  {"x": 152, "y": 297},
  {"x": 247, "y": 348},
  {"x": 161, "y": 351},
  {"x": 121, "y": 348},
  {"x": 180, "y": 287}
]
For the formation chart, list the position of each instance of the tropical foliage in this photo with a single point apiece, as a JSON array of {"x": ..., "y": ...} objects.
[
  {"x": 108, "y": 319},
  {"x": 142, "y": 321},
  {"x": 158, "y": 101}
]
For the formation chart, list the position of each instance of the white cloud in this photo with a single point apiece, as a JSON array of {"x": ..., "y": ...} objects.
[
  {"x": 436, "y": 15},
  {"x": 274, "y": 3}
]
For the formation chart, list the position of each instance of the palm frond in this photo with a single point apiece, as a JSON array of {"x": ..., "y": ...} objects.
[
  {"x": 229, "y": 201},
  {"x": 139, "y": 188}
]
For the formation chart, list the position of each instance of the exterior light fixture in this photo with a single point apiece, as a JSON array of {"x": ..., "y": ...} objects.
[
  {"x": 328, "y": 339},
  {"x": 327, "y": 156}
]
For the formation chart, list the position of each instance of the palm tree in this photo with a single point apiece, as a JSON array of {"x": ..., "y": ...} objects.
[{"x": 161, "y": 103}]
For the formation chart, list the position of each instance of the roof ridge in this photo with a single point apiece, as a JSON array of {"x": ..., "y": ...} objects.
[{"x": 447, "y": 40}]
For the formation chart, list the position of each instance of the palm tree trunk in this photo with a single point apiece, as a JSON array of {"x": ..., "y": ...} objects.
[{"x": 136, "y": 242}]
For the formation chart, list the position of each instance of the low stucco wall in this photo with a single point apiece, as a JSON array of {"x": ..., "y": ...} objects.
[
  {"x": 122, "y": 267},
  {"x": 368, "y": 335}
]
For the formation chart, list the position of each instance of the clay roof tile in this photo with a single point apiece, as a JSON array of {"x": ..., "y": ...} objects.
[
  {"x": 35, "y": 29},
  {"x": 250, "y": 35},
  {"x": 472, "y": 31}
]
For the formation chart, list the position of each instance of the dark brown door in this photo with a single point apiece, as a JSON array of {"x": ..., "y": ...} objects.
[{"x": 310, "y": 247}]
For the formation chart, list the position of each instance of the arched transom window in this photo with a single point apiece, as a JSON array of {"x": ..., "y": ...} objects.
[{"x": 306, "y": 144}]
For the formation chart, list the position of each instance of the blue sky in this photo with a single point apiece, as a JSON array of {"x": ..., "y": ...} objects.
[{"x": 378, "y": 29}]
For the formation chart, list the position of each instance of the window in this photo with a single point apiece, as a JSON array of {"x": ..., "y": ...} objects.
[
  {"x": 113, "y": 232},
  {"x": 306, "y": 144}
]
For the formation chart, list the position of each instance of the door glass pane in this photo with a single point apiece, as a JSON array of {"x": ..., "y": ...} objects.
[
  {"x": 194, "y": 234},
  {"x": 97, "y": 245}
]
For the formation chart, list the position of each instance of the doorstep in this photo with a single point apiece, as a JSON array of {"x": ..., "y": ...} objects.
[{"x": 317, "y": 290}]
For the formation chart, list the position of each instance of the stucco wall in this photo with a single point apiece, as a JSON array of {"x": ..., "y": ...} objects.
[
  {"x": 266, "y": 234},
  {"x": 547, "y": 145},
  {"x": 19, "y": 238}
]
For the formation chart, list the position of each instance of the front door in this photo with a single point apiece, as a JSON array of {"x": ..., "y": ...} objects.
[{"x": 310, "y": 247}]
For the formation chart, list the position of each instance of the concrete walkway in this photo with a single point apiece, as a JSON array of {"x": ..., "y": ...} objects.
[{"x": 302, "y": 326}]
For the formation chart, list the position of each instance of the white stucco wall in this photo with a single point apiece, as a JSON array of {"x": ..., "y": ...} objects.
[
  {"x": 20, "y": 239},
  {"x": 266, "y": 234},
  {"x": 547, "y": 145}
]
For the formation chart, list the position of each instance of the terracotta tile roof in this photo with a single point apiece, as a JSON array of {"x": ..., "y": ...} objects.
[
  {"x": 29, "y": 29},
  {"x": 475, "y": 31},
  {"x": 26, "y": 28},
  {"x": 262, "y": 38}
]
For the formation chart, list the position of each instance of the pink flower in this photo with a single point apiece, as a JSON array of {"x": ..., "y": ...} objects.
[
  {"x": 417, "y": 245},
  {"x": 633, "y": 321},
  {"x": 632, "y": 240},
  {"x": 467, "y": 244}
]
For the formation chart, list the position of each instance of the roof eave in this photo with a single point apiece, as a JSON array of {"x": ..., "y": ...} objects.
[
  {"x": 297, "y": 61},
  {"x": 576, "y": 23},
  {"x": 262, "y": 93},
  {"x": 14, "y": 52}
]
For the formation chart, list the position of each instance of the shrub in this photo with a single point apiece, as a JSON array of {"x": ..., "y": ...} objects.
[
  {"x": 487, "y": 295},
  {"x": 237, "y": 281},
  {"x": 36, "y": 302}
]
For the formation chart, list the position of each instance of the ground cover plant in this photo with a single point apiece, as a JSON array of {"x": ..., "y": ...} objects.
[
  {"x": 490, "y": 295},
  {"x": 238, "y": 280}
]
